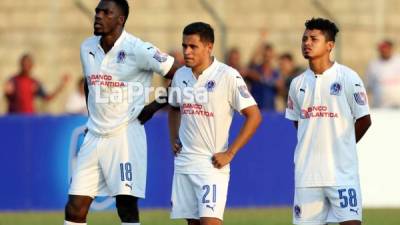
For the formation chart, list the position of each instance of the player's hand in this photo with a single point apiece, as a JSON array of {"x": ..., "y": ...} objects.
[
  {"x": 177, "y": 147},
  {"x": 147, "y": 113},
  {"x": 222, "y": 159}
]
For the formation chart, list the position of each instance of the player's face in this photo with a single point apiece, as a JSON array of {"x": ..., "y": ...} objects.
[
  {"x": 195, "y": 52},
  {"x": 108, "y": 18},
  {"x": 314, "y": 44}
]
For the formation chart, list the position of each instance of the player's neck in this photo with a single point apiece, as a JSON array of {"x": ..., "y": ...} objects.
[
  {"x": 107, "y": 41},
  {"x": 24, "y": 73},
  {"x": 197, "y": 71},
  {"x": 319, "y": 66}
]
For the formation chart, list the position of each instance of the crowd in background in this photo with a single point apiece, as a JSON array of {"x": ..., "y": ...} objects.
[{"x": 267, "y": 74}]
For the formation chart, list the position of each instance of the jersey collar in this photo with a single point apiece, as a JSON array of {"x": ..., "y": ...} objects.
[
  {"x": 116, "y": 44},
  {"x": 330, "y": 70},
  {"x": 206, "y": 73}
]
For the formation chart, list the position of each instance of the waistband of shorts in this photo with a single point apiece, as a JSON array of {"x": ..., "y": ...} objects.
[{"x": 121, "y": 128}]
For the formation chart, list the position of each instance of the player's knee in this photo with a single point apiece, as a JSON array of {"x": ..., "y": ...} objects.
[
  {"x": 76, "y": 211},
  {"x": 127, "y": 208}
]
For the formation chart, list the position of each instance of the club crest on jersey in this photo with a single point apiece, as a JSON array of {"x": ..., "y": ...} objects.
[
  {"x": 210, "y": 85},
  {"x": 361, "y": 98},
  {"x": 121, "y": 56},
  {"x": 297, "y": 211},
  {"x": 244, "y": 92},
  {"x": 336, "y": 88},
  {"x": 160, "y": 56}
]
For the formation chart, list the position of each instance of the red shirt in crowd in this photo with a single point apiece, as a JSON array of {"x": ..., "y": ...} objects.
[{"x": 25, "y": 90}]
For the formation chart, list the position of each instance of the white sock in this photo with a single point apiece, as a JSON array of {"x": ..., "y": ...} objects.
[
  {"x": 130, "y": 223},
  {"x": 72, "y": 223}
]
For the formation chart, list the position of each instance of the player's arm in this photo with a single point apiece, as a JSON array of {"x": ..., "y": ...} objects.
[
  {"x": 86, "y": 90},
  {"x": 149, "y": 110},
  {"x": 361, "y": 126},
  {"x": 9, "y": 89},
  {"x": 152, "y": 59},
  {"x": 64, "y": 80},
  {"x": 296, "y": 124},
  {"x": 252, "y": 121},
  {"x": 358, "y": 101},
  {"x": 174, "y": 121}
]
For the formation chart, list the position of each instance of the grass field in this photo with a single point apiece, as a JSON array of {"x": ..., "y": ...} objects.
[{"x": 279, "y": 216}]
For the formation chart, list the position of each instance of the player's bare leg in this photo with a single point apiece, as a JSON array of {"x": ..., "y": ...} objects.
[
  {"x": 193, "y": 222},
  {"x": 127, "y": 208},
  {"x": 351, "y": 222},
  {"x": 210, "y": 221},
  {"x": 77, "y": 208}
]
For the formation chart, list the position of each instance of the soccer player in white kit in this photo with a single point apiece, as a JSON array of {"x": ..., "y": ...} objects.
[
  {"x": 329, "y": 107},
  {"x": 113, "y": 157},
  {"x": 201, "y": 174}
]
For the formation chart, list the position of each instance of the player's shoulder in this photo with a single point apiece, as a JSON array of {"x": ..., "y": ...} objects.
[
  {"x": 90, "y": 42},
  {"x": 132, "y": 41},
  {"x": 301, "y": 77},
  {"x": 227, "y": 71},
  {"x": 182, "y": 73},
  {"x": 348, "y": 73}
]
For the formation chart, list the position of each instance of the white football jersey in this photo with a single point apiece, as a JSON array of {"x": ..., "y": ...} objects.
[
  {"x": 204, "y": 126},
  {"x": 117, "y": 80},
  {"x": 326, "y": 107}
]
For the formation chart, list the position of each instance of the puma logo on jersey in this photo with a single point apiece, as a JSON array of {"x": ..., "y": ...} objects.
[
  {"x": 185, "y": 83},
  {"x": 354, "y": 210},
  {"x": 302, "y": 90},
  {"x": 210, "y": 207},
  {"x": 358, "y": 85},
  {"x": 92, "y": 54}
]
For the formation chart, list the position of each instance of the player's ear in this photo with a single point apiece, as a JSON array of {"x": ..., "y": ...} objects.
[
  {"x": 122, "y": 20},
  {"x": 209, "y": 46},
  {"x": 331, "y": 45}
]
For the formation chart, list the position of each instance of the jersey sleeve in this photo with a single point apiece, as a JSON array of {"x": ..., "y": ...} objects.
[
  {"x": 292, "y": 109},
  {"x": 83, "y": 56},
  {"x": 172, "y": 94},
  {"x": 240, "y": 97},
  {"x": 357, "y": 96},
  {"x": 150, "y": 58}
]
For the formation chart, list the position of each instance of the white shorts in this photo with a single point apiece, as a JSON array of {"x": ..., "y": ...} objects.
[
  {"x": 199, "y": 195},
  {"x": 113, "y": 165},
  {"x": 321, "y": 205}
]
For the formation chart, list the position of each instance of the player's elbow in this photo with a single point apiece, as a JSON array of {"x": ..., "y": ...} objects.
[{"x": 254, "y": 115}]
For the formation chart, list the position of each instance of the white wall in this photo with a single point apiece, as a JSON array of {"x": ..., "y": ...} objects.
[{"x": 379, "y": 157}]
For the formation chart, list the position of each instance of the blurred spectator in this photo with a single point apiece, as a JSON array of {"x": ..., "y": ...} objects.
[
  {"x": 76, "y": 102},
  {"x": 268, "y": 83},
  {"x": 383, "y": 77},
  {"x": 287, "y": 70},
  {"x": 22, "y": 89},
  {"x": 233, "y": 59}
]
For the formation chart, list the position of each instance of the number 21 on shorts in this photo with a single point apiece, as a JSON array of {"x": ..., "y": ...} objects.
[
  {"x": 347, "y": 197},
  {"x": 207, "y": 191}
]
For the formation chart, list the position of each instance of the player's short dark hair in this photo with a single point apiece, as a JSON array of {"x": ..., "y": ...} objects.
[
  {"x": 124, "y": 6},
  {"x": 327, "y": 27},
  {"x": 204, "y": 30}
]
